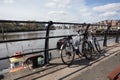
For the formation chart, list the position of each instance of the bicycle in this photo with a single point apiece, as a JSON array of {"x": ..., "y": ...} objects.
[
  {"x": 73, "y": 46},
  {"x": 95, "y": 43}
]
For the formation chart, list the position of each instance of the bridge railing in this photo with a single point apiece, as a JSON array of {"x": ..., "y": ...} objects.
[{"x": 47, "y": 37}]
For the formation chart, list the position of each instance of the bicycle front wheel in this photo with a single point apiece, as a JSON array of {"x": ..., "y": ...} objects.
[
  {"x": 87, "y": 50},
  {"x": 67, "y": 53}
]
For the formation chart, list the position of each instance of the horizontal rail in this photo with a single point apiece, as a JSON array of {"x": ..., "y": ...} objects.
[
  {"x": 103, "y": 39},
  {"x": 36, "y": 52},
  {"x": 14, "y": 21},
  {"x": 43, "y": 22},
  {"x": 4, "y": 41},
  {"x": 16, "y": 40}
]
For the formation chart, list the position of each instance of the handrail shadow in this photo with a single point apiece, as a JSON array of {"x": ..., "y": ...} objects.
[
  {"x": 61, "y": 66},
  {"x": 62, "y": 78}
]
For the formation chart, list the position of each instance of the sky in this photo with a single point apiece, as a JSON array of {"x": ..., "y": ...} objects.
[{"x": 88, "y": 11}]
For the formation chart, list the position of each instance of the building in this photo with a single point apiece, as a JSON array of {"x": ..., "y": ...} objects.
[{"x": 114, "y": 23}]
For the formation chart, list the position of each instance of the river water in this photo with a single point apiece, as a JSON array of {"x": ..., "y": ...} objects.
[{"x": 8, "y": 49}]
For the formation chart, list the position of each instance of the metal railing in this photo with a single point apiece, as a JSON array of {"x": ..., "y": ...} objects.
[{"x": 47, "y": 37}]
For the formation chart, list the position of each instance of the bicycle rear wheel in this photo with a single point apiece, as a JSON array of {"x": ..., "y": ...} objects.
[
  {"x": 87, "y": 50},
  {"x": 97, "y": 45},
  {"x": 67, "y": 53}
]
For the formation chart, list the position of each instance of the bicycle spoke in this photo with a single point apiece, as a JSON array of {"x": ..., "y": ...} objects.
[
  {"x": 87, "y": 50},
  {"x": 67, "y": 54}
]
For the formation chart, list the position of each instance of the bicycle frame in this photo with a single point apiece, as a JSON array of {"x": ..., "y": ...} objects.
[{"x": 77, "y": 40}]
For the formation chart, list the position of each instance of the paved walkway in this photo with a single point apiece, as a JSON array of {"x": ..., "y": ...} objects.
[{"x": 81, "y": 69}]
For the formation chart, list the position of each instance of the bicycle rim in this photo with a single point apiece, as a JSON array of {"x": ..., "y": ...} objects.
[
  {"x": 67, "y": 54},
  {"x": 87, "y": 50},
  {"x": 97, "y": 45}
]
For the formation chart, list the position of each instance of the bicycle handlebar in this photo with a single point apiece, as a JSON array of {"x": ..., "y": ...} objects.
[
  {"x": 78, "y": 31},
  {"x": 85, "y": 34},
  {"x": 86, "y": 30}
]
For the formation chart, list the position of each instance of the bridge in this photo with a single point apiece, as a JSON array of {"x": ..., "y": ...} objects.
[{"x": 54, "y": 69}]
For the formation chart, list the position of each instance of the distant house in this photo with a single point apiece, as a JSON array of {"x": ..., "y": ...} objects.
[{"x": 114, "y": 23}]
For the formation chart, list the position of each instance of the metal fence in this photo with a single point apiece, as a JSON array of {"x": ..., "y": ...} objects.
[{"x": 47, "y": 37}]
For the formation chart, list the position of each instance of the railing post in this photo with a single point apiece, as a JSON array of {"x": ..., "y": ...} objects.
[
  {"x": 47, "y": 43},
  {"x": 2, "y": 30},
  {"x": 105, "y": 35},
  {"x": 117, "y": 36}
]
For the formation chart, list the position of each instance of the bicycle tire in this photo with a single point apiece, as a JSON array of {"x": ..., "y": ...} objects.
[
  {"x": 67, "y": 55},
  {"x": 87, "y": 50},
  {"x": 97, "y": 45}
]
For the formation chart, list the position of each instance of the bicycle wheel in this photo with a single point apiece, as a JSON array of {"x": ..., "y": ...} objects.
[
  {"x": 67, "y": 53},
  {"x": 97, "y": 45},
  {"x": 87, "y": 50}
]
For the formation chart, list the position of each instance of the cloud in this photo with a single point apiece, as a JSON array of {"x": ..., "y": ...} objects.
[
  {"x": 57, "y": 3},
  {"x": 19, "y": 13},
  {"x": 8, "y": 1},
  {"x": 87, "y": 14},
  {"x": 108, "y": 11},
  {"x": 108, "y": 7},
  {"x": 84, "y": 9},
  {"x": 109, "y": 14},
  {"x": 51, "y": 4},
  {"x": 58, "y": 10},
  {"x": 57, "y": 13}
]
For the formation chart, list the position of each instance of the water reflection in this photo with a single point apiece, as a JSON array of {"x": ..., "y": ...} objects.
[{"x": 22, "y": 35}]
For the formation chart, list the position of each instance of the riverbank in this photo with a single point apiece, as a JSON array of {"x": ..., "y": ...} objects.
[{"x": 110, "y": 32}]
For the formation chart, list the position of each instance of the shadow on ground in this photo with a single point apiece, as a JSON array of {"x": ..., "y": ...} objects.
[{"x": 58, "y": 65}]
